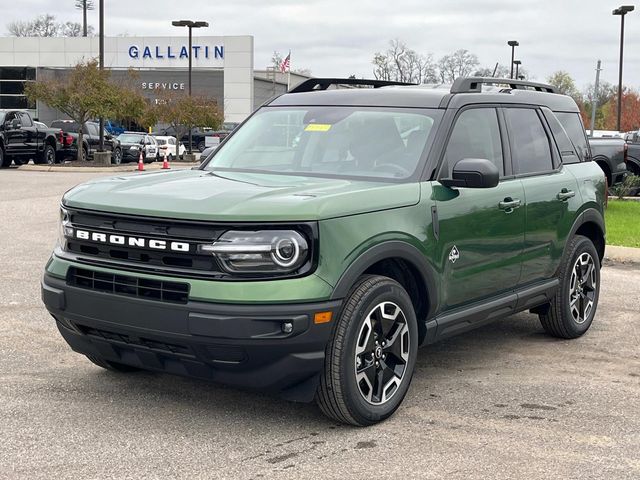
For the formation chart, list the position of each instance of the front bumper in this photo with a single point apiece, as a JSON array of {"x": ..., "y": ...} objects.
[{"x": 239, "y": 345}]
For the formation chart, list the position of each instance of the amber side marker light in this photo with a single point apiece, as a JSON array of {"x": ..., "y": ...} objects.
[{"x": 322, "y": 317}]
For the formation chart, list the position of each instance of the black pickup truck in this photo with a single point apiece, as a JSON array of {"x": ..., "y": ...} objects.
[
  {"x": 633, "y": 153},
  {"x": 90, "y": 140},
  {"x": 21, "y": 140}
]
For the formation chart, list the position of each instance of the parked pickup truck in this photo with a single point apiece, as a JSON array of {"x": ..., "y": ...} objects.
[
  {"x": 611, "y": 155},
  {"x": 21, "y": 140},
  {"x": 633, "y": 153},
  {"x": 90, "y": 140},
  {"x": 314, "y": 264}
]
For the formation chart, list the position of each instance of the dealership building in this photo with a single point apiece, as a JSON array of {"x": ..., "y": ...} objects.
[{"x": 223, "y": 68}]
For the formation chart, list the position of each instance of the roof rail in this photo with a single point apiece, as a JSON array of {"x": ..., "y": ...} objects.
[
  {"x": 324, "y": 83},
  {"x": 474, "y": 84}
]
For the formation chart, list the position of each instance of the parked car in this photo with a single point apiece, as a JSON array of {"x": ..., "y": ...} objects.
[
  {"x": 206, "y": 152},
  {"x": 314, "y": 264},
  {"x": 90, "y": 140},
  {"x": 40, "y": 124},
  {"x": 21, "y": 140},
  {"x": 133, "y": 143},
  {"x": 167, "y": 148},
  {"x": 199, "y": 135}
]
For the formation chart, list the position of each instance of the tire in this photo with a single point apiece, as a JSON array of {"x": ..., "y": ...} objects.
[
  {"x": 358, "y": 397},
  {"x": 201, "y": 146},
  {"x": 20, "y": 161},
  {"x": 5, "y": 160},
  {"x": 116, "y": 158},
  {"x": 85, "y": 153},
  {"x": 570, "y": 313},
  {"x": 169, "y": 158},
  {"x": 113, "y": 366},
  {"x": 49, "y": 155}
]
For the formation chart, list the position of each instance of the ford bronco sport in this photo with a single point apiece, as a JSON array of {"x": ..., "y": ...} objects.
[{"x": 331, "y": 235}]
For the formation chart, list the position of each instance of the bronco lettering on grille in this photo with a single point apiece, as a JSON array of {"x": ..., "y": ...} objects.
[{"x": 125, "y": 240}]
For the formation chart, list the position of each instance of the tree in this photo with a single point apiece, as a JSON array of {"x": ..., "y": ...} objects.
[
  {"x": 87, "y": 93},
  {"x": 45, "y": 26},
  {"x": 457, "y": 64},
  {"x": 182, "y": 112},
  {"x": 84, "y": 5},
  {"x": 606, "y": 92},
  {"x": 502, "y": 71},
  {"x": 630, "y": 118},
  {"x": 565, "y": 84},
  {"x": 402, "y": 64}
]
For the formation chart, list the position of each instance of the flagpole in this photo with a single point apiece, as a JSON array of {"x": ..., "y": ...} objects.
[{"x": 289, "y": 73}]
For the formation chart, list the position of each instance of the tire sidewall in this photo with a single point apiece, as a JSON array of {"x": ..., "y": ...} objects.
[
  {"x": 364, "y": 412},
  {"x": 117, "y": 156},
  {"x": 49, "y": 155},
  {"x": 582, "y": 245}
]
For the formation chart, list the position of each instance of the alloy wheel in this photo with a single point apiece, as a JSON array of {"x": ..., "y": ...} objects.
[
  {"x": 582, "y": 288},
  {"x": 382, "y": 353}
]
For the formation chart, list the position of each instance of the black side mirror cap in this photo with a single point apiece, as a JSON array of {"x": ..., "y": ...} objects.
[{"x": 473, "y": 173}]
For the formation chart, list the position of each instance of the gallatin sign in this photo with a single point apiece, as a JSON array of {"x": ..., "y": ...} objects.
[{"x": 171, "y": 52}]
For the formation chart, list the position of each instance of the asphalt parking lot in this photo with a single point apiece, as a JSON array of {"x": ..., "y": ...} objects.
[{"x": 502, "y": 402}]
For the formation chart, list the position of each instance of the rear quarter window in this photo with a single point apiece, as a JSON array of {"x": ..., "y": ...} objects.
[{"x": 572, "y": 124}]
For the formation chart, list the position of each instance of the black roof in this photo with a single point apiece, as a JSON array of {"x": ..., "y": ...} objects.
[{"x": 464, "y": 91}]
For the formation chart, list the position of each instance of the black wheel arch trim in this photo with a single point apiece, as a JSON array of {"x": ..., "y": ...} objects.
[
  {"x": 389, "y": 249},
  {"x": 590, "y": 215}
]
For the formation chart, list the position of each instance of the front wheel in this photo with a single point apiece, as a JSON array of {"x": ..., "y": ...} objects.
[
  {"x": 49, "y": 155},
  {"x": 370, "y": 359},
  {"x": 117, "y": 156},
  {"x": 201, "y": 146},
  {"x": 5, "y": 160},
  {"x": 571, "y": 312}
]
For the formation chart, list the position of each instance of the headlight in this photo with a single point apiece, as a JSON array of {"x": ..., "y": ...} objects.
[
  {"x": 262, "y": 251},
  {"x": 134, "y": 147},
  {"x": 65, "y": 231}
]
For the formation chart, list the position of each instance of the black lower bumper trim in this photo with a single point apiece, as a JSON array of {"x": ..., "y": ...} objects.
[{"x": 240, "y": 345}]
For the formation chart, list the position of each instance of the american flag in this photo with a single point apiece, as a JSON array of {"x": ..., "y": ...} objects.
[{"x": 286, "y": 64}]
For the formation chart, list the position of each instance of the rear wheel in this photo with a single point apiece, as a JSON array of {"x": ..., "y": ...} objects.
[
  {"x": 85, "y": 153},
  {"x": 571, "y": 312},
  {"x": 201, "y": 146},
  {"x": 370, "y": 359},
  {"x": 113, "y": 366},
  {"x": 48, "y": 156}
]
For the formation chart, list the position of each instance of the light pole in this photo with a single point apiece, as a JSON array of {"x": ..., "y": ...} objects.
[
  {"x": 190, "y": 24},
  {"x": 513, "y": 44},
  {"x": 517, "y": 63},
  {"x": 101, "y": 63},
  {"x": 622, "y": 11}
]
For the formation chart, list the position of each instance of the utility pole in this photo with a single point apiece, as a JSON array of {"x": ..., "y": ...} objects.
[
  {"x": 622, "y": 12},
  {"x": 101, "y": 14},
  {"x": 594, "y": 101}
]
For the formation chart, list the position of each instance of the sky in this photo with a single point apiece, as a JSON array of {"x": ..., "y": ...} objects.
[{"x": 334, "y": 38}]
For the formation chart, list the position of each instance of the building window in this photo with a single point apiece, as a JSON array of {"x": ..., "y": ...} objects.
[{"x": 12, "y": 83}]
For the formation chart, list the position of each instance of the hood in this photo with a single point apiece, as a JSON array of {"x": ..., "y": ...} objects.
[{"x": 234, "y": 196}]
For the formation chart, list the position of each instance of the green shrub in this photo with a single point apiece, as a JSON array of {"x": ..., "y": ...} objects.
[{"x": 631, "y": 182}]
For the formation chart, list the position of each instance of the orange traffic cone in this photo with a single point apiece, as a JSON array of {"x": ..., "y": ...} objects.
[
  {"x": 141, "y": 163},
  {"x": 165, "y": 163}
]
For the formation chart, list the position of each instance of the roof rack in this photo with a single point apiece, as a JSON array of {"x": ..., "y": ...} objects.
[
  {"x": 323, "y": 83},
  {"x": 474, "y": 84}
]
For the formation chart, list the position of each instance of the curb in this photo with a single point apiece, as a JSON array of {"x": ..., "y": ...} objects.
[
  {"x": 624, "y": 255},
  {"x": 122, "y": 168},
  {"x": 632, "y": 199}
]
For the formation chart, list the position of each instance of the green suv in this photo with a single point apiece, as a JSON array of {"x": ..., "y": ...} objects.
[{"x": 332, "y": 234}]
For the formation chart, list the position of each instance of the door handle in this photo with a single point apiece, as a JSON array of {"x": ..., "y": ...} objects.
[
  {"x": 565, "y": 194},
  {"x": 509, "y": 204}
]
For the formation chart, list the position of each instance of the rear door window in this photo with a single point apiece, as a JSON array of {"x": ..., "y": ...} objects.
[{"x": 530, "y": 147}]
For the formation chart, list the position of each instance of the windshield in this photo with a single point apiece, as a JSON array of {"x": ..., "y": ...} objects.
[
  {"x": 379, "y": 143},
  {"x": 129, "y": 138}
]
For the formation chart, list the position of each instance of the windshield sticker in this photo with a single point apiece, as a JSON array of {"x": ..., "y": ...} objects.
[{"x": 317, "y": 127}]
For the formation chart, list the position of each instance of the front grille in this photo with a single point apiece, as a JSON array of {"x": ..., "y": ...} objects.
[
  {"x": 155, "y": 260},
  {"x": 159, "y": 290},
  {"x": 136, "y": 341}
]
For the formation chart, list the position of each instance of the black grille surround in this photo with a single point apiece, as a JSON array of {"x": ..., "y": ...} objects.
[
  {"x": 159, "y": 290},
  {"x": 192, "y": 264}
]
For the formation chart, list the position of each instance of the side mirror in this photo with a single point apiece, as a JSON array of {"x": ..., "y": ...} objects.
[
  {"x": 15, "y": 124},
  {"x": 473, "y": 173}
]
